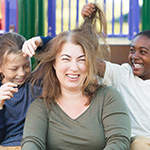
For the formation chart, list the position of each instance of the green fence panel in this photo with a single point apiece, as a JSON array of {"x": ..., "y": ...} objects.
[
  {"x": 146, "y": 15},
  {"x": 22, "y": 17},
  {"x": 28, "y": 21},
  {"x": 28, "y": 18},
  {"x": 32, "y": 18},
  {"x": 42, "y": 17}
]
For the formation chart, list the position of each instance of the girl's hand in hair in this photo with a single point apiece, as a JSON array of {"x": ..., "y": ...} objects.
[
  {"x": 87, "y": 10},
  {"x": 6, "y": 92},
  {"x": 30, "y": 46}
]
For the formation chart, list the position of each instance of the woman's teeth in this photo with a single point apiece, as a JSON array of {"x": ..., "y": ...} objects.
[{"x": 72, "y": 76}]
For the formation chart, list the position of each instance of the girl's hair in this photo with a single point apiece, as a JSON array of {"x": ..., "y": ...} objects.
[
  {"x": 88, "y": 36},
  {"x": 10, "y": 42}
]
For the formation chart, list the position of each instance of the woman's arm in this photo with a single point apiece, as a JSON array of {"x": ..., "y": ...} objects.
[
  {"x": 35, "y": 129},
  {"x": 116, "y": 121}
]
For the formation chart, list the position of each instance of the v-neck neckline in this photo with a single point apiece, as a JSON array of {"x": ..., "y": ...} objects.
[{"x": 80, "y": 115}]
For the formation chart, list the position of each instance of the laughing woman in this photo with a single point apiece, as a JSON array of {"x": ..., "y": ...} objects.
[{"x": 76, "y": 112}]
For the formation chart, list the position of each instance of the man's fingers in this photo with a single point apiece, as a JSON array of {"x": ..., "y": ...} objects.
[{"x": 87, "y": 10}]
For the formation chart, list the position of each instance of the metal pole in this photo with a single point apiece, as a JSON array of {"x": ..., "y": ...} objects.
[
  {"x": 133, "y": 20},
  {"x": 51, "y": 17},
  {"x": 22, "y": 17},
  {"x": 41, "y": 17}
]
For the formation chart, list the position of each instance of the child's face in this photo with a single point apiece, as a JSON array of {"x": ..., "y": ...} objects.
[
  {"x": 15, "y": 69},
  {"x": 139, "y": 57}
]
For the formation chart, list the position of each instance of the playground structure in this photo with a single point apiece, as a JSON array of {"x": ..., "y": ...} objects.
[{"x": 49, "y": 17}]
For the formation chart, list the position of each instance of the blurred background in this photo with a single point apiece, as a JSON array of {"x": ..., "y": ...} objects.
[{"x": 30, "y": 18}]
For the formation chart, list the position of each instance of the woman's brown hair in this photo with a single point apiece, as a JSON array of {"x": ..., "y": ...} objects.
[{"x": 87, "y": 36}]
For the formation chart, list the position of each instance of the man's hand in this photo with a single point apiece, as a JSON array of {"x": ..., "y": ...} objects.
[{"x": 87, "y": 10}]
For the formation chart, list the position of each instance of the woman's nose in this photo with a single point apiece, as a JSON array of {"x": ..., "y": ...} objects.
[{"x": 74, "y": 66}]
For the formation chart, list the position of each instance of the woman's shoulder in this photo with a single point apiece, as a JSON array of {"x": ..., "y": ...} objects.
[
  {"x": 109, "y": 93},
  {"x": 39, "y": 106},
  {"x": 38, "y": 102},
  {"x": 109, "y": 96},
  {"x": 107, "y": 89}
]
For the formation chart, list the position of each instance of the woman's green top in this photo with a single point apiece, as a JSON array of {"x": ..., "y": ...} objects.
[{"x": 105, "y": 125}]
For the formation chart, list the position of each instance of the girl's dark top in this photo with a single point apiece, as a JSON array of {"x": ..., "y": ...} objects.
[{"x": 12, "y": 116}]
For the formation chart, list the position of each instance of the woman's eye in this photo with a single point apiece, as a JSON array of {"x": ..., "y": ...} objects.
[
  {"x": 81, "y": 59},
  {"x": 66, "y": 59}
]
